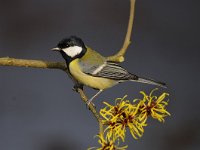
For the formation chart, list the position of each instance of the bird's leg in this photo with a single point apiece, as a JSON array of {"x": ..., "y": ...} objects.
[
  {"x": 90, "y": 100},
  {"x": 77, "y": 86}
]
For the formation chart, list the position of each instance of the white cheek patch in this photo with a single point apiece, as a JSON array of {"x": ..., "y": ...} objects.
[{"x": 73, "y": 51}]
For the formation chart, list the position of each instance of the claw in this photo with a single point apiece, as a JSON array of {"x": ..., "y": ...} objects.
[
  {"x": 88, "y": 103},
  {"x": 77, "y": 86}
]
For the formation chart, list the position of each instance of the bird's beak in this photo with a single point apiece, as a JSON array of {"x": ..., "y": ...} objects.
[{"x": 55, "y": 49}]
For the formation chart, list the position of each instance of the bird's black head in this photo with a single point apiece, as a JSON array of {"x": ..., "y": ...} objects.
[{"x": 71, "y": 48}]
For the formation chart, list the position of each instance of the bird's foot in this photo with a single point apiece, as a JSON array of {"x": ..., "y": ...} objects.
[
  {"x": 88, "y": 103},
  {"x": 77, "y": 86}
]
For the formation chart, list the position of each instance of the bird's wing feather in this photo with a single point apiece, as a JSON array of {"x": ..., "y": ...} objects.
[
  {"x": 88, "y": 67},
  {"x": 112, "y": 71}
]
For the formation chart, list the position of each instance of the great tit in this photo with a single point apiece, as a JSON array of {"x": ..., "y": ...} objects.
[{"x": 87, "y": 67}]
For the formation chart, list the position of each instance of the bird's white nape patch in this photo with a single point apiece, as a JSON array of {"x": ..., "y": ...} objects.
[{"x": 72, "y": 51}]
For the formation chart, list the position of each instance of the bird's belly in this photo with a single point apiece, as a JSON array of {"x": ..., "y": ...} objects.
[{"x": 88, "y": 80}]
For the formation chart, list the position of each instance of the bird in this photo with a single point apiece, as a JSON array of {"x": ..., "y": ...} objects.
[{"x": 87, "y": 67}]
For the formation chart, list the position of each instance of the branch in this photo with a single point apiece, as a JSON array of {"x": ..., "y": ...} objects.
[
  {"x": 6, "y": 61},
  {"x": 119, "y": 56}
]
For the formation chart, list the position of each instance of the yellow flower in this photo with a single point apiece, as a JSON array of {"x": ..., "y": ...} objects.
[
  {"x": 125, "y": 115},
  {"x": 111, "y": 117},
  {"x": 121, "y": 116},
  {"x": 154, "y": 106},
  {"x": 107, "y": 144}
]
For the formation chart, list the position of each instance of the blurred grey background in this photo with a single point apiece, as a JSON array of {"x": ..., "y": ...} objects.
[{"x": 39, "y": 110}]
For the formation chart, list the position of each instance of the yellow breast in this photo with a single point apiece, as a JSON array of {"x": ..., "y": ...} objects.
[{"x": 88, "y": 80}]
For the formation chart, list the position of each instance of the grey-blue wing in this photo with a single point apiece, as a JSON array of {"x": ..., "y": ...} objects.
[
  {"x": 113, "y": 71},
  {"x": 88, "y": 67}
]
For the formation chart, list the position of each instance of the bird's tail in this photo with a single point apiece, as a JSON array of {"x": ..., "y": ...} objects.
[{"x": 150, "y": 81}]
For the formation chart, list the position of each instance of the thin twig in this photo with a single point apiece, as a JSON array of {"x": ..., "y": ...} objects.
[
  {"x": 119, "y": 56},
  {"x": 91, "y": 106}
]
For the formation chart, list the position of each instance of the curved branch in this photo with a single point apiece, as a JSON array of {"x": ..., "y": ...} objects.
[{"x": 119, "y": 56}]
